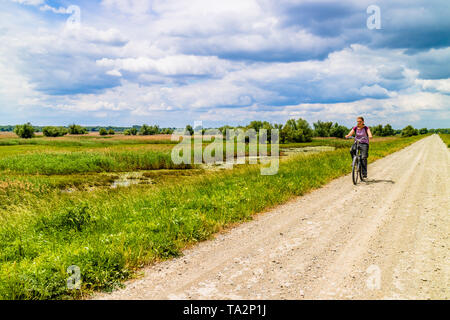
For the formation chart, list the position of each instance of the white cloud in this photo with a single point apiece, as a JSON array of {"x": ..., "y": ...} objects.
[
  {"x": 218, "y": 60},
  {"x": 246, "y": 91},
  {"x": 170, "y": 65},
  {"x": 60, "y": 10},
  {"x": 374, "y": 90},
  {"x": 114, "y": 72},
  {"x": 29, "y": 2},
  {"x": 84, "y": 33},
  {"x": 441, "y": 85}
]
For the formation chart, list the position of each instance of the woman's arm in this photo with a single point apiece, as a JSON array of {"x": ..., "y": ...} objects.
[
  {"x": 350, "y": 133},
  {"x": 369, "y": 133}
]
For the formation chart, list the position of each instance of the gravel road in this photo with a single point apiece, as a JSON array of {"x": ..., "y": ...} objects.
[{"x": 387, "y": 238}]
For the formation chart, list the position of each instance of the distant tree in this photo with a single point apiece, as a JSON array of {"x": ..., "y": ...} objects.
[
  {"x": 279, "y": 127},
  {"x": 6, "y": 128},
  {"x": 289, "y": 132},
  {"x": 431, "y": 131},
  {"x": 127, "y": 132},
  {"x": 322, "y": 129},
  {"x": 409, "y": 131},
  {"x": 423, "y": 131},
  {"x": 133, "y": 131},
  {"x": 338, "y": 131},
  {"x": 388, "y": 131},
  {"x": 156, "y": 129},
  {"x": 25, "y": 131},
  {"x": 76, "y": 129},
  {"x": 224, "y": 129},
  {"x": 189, "y": 130},
  {"x": 297, "y": 131},
  {"x": 111, "y": 132},
  {"x": 103, "y": 132},
  {"x": 167, "y": 131},
  {"x": 258, "y": 125},
  {"x": 377, "y": 130},
  {"x": 306, "y": 128},
  {"x": 147, "y": 130},
  {"x": 268, "y": 127},
  {"x": 50, "y": 131}
]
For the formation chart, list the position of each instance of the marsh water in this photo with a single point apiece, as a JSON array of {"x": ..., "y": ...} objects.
[
  {"x": 127, "y": 179},
  {"x": 306, "y": 150},
  {"x": 284, "y": 152}
]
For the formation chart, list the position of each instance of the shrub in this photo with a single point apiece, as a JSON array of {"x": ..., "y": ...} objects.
[
  {"x": 377, "y": 130},
  {"x": 127, "y": 132},
  {"x": 189, "y": 130},
  {"x": 103, "y": 132},
  {"x": 388, "y": 131},
  {"x": 423, "y": 131},
  {"x": 147, "y": 130},
  {"x": 54, "y": 131},
  {"x": 383, "y": 132},
  {"x": 111, "y": 132},
  {"x": 167, "y": 131},
  {"x": 25, "y": 131},
  {"x": 338, "y": 131},
  {"x": 76, "y": 218},
  {"x": 76, "y": 129},
  {"x": 258, "y": 125},
  {"x": 409, "y": 131}
]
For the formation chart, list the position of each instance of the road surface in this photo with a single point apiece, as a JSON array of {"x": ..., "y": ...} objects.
[{"x": 384, "y": 239}]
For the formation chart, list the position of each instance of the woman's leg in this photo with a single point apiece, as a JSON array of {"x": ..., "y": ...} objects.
[{"x": 364, "y": 156}]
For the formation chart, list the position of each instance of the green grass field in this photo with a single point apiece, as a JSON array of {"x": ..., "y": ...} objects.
[
  {"x": 445, "y": 138},
  {"x": 110, "y": 233}
]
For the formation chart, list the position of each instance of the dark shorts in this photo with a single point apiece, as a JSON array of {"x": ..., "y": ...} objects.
[{"x": 364, "y": 150}]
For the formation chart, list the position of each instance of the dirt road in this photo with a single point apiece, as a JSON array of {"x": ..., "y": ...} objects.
[{"x": 384, "y": 239}]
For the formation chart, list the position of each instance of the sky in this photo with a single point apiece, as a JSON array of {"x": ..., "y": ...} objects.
[{"x": 174, "y": 62}]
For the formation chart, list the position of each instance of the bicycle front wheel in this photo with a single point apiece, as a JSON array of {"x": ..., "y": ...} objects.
[
  {"x": 355, "y": 170},
  {"x": 361, "y": 171}
]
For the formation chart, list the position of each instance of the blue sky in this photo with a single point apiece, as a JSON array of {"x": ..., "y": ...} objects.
[{"x": 170, "y": 63}]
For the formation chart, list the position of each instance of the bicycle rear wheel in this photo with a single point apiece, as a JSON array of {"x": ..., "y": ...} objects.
[{"x": 355, "y": 170}]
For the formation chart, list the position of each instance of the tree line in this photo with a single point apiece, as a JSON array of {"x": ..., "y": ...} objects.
[
  {"x": 294, "y": 130},
  {"x": 300, "y": 131},
  {"x": 27, "y": 130}
]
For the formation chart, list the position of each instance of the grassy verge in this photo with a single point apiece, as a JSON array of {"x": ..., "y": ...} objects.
[
  {"x": 88, "y": 142},
  {"x": 80, "y": 162},
  {"x": 445, "y": 138},
  {"x": 110, "y": 233}
]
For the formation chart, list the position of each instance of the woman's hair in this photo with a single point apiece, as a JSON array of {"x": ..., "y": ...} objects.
[{"x": 361, "y": 118}]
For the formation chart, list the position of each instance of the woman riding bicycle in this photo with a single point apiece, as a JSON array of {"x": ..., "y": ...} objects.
[{"x": 362, "y": 135}]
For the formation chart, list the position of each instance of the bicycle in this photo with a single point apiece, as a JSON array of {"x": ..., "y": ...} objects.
[{"x": 357, "y": 165}]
